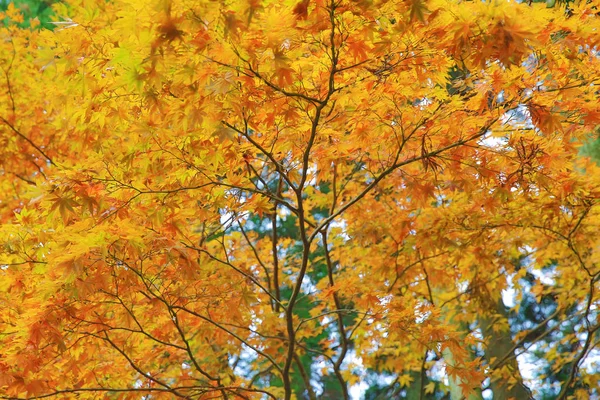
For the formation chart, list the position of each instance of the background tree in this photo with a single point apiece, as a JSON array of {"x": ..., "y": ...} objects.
[
  {"x": 38, "y": 11},
  {"x": 288, "y": 199}
]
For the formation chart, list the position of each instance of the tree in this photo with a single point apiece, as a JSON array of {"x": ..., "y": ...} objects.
[
  {"x": 267, "y": 199},
  {"x": 38, "y": 11}
]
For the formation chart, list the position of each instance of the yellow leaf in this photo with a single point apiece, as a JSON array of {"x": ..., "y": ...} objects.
[
  {"x": 430, "y": 388},
  {"x": 405, "y": 380}
]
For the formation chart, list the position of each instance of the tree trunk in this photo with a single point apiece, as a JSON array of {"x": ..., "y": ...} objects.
[{"x": 508, "y": 386}]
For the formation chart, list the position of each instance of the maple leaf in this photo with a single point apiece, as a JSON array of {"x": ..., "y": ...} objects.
[
  {"x": 233, "y": 25},
  {"x": 283, "y": 71},
  {"x": 430, "y": 388},
  {"x": 65, "y": 206},
  {"x": 417, "y": 10},
  {"x": 544, "y": 119},
  {"x": 359, "y": 50},
  {"x": 405, "y": 380},
  {"x": 301, "y": 9}
]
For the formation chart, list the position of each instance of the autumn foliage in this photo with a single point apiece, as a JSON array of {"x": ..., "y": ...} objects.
[{"x": 300, "y": 199}]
